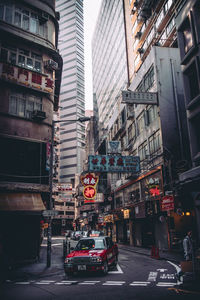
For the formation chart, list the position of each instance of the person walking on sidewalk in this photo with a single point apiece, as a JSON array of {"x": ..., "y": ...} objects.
[
  {"x": 188, "y": 250},
  {"x": 187, "y": 246}
]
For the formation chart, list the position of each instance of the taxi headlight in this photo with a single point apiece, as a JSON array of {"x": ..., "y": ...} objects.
[
  {"x": 96, "y": 259},
  {"x": 68, "y": 260}
]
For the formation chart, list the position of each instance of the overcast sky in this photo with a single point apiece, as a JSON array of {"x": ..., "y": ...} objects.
[{"x": 91, "y": 9}]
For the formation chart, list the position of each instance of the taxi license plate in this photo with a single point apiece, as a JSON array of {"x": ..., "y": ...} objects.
[{"x": 81, "y": 267}]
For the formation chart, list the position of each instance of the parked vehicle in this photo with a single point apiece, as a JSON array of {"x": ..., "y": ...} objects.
[
  {"x": 76, "y": 235},
  {"x": 92, "y": 254},
  {"x": 85, "y": 234},
  {"x": 94, "y": 233}
]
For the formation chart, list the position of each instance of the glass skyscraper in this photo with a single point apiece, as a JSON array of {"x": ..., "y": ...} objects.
[
  {"x": 72, "y": 97},
  {"x": 109, "y": 59}
]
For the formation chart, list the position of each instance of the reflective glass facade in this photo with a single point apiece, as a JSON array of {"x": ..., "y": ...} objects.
[
  {"x": 72, "y": 97},
  {"x": 109, "y": 58}
]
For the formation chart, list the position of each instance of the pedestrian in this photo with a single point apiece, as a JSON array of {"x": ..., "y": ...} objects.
[
  {"x": 187, "y": 246},
  {"x": 188, "y": 250}
]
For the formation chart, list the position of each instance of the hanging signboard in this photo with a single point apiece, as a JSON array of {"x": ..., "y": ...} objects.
[
  {"x": 167, "y": 203},
  {"x": 131, "y": 97},
  {"x": 89, "y": 181},
  {"x": 114, "y": 163}
]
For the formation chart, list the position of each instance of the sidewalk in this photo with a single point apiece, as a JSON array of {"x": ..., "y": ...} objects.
[
  {"x": 39, "y": 268},
  {"x": 175, "y": 257}
]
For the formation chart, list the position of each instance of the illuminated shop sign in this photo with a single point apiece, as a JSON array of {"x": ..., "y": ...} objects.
[
  {"x": 114, "y": 163},
  {"x": 26, "y": 78},
  {"x": 89, "y": 181}
]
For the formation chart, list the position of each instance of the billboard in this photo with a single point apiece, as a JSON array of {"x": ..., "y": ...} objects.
[{"x": 114, "y": 163}]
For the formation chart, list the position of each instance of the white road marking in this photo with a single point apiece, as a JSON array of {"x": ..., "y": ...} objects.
[
  {"x": 165, "y": 284},
  {"x": 41, "y": 282},
  {"x": 167, "y": 276},
  {"x": 178, "y": 269},
  {"x": 22, "y": 282},
  {"x": 152, "y": 276},
  {"x": 161, "y": 270},
  {"x": 139, "y": 283},
  {"x": 114, "y": 283},
  {"x": 119, "y": 270},
  {"x": 65, "y": 283},
  {"x": 87, "y": 283}
]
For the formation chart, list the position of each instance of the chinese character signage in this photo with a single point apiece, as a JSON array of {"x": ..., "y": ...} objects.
[
  {"x": 26, "y": 77},
  {"x": 167, "y": 203},
  {"x": 114, "y": 163},
  {"x": 152, "y": 187},
  {"x": 89, "y": 181}
]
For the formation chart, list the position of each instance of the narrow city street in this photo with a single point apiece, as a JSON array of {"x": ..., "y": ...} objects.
[{"x": 136, "y": 277}]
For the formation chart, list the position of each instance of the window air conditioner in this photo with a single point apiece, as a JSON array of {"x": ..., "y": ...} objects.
[
  {"x": 140, "y": 50},
  {"x": 44, "y": 17},
  {"x": 51, "y": 64},
  {"x": 38, "y": 115},
  {"x": 138, "y": 35}
]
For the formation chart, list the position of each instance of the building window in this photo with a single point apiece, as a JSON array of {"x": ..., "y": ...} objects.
[
  {"x": 23, "y": 18},
  {"x": 167, "y": 5},
  {"x": 154, "y": 142},
  {"x": 21, "y": 57},
  {"x": 152, "y": 114},
  {"x": 147, "y": 81},
  {"x": 187, "y": 36},
  {"x": 193, "y": 82},
  {"x": 142, "y": 151},
  {"x": 170, "y": 26},
  {"x": 140, "y": 123},
  {"x": 23, "y": 105}
]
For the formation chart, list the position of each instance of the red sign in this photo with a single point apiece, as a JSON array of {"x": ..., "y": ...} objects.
[
  {"x": 167, "y": 203},
  {"x": 89, "y": 179},
  {"x": 89, "y": 192}
]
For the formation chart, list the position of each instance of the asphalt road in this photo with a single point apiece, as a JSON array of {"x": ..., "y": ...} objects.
[{"x": 136, "y": 277}]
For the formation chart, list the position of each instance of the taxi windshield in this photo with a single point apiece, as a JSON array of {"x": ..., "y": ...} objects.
[{"x": 90, "y": 244}]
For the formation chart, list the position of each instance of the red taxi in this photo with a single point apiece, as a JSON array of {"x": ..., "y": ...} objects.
[{"x": 92, "y": 254}]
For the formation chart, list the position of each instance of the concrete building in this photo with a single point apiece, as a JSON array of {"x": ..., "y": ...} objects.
[
  {"x": 72, "y": 96},
  {"x": 29, "y": 65},
  {"x": 187, "y": 24},
  {"x": 137, "y": 214}
]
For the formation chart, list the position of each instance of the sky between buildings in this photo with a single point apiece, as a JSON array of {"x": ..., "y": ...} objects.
[{"x": 91, "y": 10}]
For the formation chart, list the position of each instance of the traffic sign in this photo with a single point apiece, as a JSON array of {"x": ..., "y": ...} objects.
[{"x": 50, "y": 213}]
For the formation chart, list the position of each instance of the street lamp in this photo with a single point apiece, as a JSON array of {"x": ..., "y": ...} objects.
[{"x": 80, "y": 119}]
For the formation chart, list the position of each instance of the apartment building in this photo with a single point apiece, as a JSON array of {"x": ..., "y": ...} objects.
[
  {"x": 30, "y": 77},
  {"x": 138, "y": 213},
  {"x": 187, "y": 24}
]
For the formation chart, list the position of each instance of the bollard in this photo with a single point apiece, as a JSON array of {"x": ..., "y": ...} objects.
[
  {"x": 153, "y": 251},
  {"x": 157, "y": 256}
]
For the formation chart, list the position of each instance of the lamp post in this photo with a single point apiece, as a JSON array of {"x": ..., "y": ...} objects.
[{"x": 50, "y": 206}]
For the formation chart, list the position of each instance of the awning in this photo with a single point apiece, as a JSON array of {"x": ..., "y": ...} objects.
[{"x": 21, "y": 202}]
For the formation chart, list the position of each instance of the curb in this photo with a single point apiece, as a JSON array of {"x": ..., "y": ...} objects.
[{"x": 161, "y": 258}]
